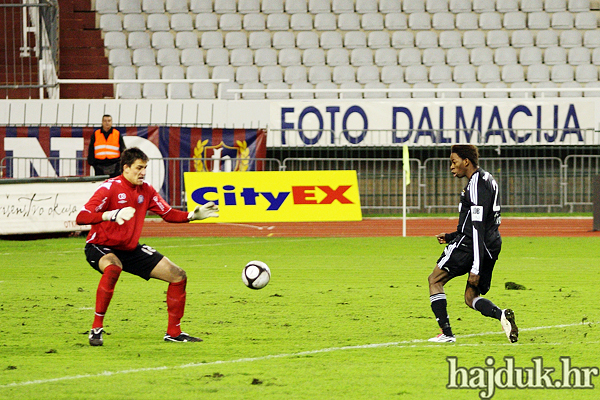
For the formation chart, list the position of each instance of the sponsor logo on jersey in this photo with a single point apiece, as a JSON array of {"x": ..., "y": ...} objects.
[{"x": 140, "y": 199}]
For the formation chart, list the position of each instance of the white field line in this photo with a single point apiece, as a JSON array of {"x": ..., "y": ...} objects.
[{"x": 406, "y": 344}]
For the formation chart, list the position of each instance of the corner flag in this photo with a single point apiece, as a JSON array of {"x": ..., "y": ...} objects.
[{"x": 406, "y": 164}]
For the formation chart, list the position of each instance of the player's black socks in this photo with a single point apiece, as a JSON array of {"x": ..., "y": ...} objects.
[
  {"x": 487, "y": 308},
  {"x": 438, "y": 306}
]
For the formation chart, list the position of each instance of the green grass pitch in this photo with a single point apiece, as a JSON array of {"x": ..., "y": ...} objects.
[{"x": 340, "y": 319}]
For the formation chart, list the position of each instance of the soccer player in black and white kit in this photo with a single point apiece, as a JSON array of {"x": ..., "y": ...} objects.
[{"x": 473, "y": 248}]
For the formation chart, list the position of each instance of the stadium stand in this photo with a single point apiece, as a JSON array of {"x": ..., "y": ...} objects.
[{"x": 352, "y": 43}]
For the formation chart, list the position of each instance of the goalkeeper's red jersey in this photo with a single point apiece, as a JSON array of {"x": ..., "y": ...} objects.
[{"x": 118, "y": 193}]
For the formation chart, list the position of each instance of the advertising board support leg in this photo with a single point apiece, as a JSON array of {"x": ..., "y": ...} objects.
[{"x": 596, "y": 200}]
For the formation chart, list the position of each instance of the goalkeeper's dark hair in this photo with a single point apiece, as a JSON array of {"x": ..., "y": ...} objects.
[
  {"x": 130, "y": 155},
  {"x": 467, "y": 151}
]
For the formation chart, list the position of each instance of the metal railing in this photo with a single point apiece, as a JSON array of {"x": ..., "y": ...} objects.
[{"x": 526, "y": 183}]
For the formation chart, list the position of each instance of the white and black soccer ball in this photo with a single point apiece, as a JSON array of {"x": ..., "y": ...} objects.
[{"x": 256, "y": 275}]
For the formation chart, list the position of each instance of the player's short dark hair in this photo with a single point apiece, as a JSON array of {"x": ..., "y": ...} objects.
[
  {"x": 107, "y": 115},
  {"x": 131, "y": 155},
  {"x": 467, "y": 151}
]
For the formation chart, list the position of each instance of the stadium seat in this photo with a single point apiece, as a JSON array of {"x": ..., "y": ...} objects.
[
  {"x": 562, "y": 73},
  {"x": 395, "y": 22},
  {"x": 278, "y": 22},
  {"x": 457, "y": 56},
  {"x": 111, "y": 23},
  {"x": 331, "y": 40},
  {"x": 409, "y": 56},
  {"x": 130, "y": 6},
  {"x": 440, "y": 74},
  {"x": 520, "y": 94},
  {"x": 440, "y": 93},
  {"x": 207, "y": 22},
  {"x": 579, "y": 6},
  {"x": 391, "y": 74},
  {"x": 264, "y": 57},
  {"x": 521, "y": 38},
  {"x": 538, "y": 20},
  {"x": 378, "y": 40},
  {"x": 426, "y": 39},
  {"x": 530, "y": 56},
  {"x": 505, "y": 56},
  {"x": 295, "y": 6},
  {"x": 167, "y": 56},
  {"x": 186, "y": 40},
  {"x": 403, "y": 39},
  {"x": 313, "y": 57},
  {"x": 245, "y": 74},
  {"x": 211, "y": 40},
  {"x": 302, "y": 86},
  {"x": 482, "y": 56},
  {"x": 555, "y": 55},
  {"x": 460, "y": 6},
  {"x": 490, "y": 21},
  {"x": 307, "y": 40},
  {"x": 562, "y": 20},
  {"x": 436, "y": 6},
  {"x": 326, "y": 95},
  {"x": 355, "y": 39},
  {"x": 325, "y": 22},
  {"x": 254, "y": 22},
  {"x": 253, "y": 95},
  {"x": 176, "y": 6},
  {"x": 115, "y": 40},
  {"x": 278, "y": 95},
  {"x": 201, "y": 6},
  {"x": 467, "y": 21},
  {"x": 106, "y": 7},
  {"x": 434, "y": 56},
  {"x": 181, "y": 22},
  {"x": 571, "y": 93},
  {"x": 348, "y": 22},
  {"x": 570, "y": 38},
  {"x": 487, "y": 73},
  {"x": 319, "y": 73},
  {"x": 319, "y": 6},
  {"x": 443, "y": 21},
  {"x": 450, "y": 39},
  {"x": 126, "y": 72},
  {"x": 236, "y": 40},
  {"x": 217, "y": 57},
  {"x": 497, "y": 38},
  {"x": 284, "y": 40},
  {"x": 592, "y": 93},
  {"x": 289, "y": 57},
  {"x": 223, "y": 72},
  {"x": 143, "y": 57},
  {"x": 272, "y": 6},
  {"x": 389, "y": 6},
  {"x": 463, "y": 74},
  {"x": 546, "y": 38},
  {"x": 471, "y": 94},
  {"x": 530, "y": 6},
  {"x": 153, "y": 6},
  {"x": 259, "y": 40},
  {"x": 151, "y": 90},
  {"x": 223, "y": 90},
  {"x": 546, "y": 85},
  {"x": 507, "y": 6},
  {"x": 241, "y": 57},
  {"x": 230, "y": 22},
  {"x": 138, "y": 40},
  {"x": 413, "y": 6},
  {"x": 473, "y": 39},
  {"x": 538, "y": 73},
  {"x": 192, "y": 56},
  {"x": 555, "y": 6},
  {"x": 419, "y": 21},
  {"x": 584, "y": 73},
  {"x": 372, "y": 22},
  {"x": 343, "y": 73},
  {"x": 249, "y": 6},
  {"x": 402, "y": 90},
  {"x": 225, "y": 6},
  {"x": 366, "y": 6},
  {"x": 197, "y": 72},
  {"x": 513, "y": 73},
  {"x": 591, "y": 39},
  {"x": 387, "y": 56},
  {"x": 173, "y": 72},
  {"x": 415, "y": 74},
  {"x": 482, "y": 6},
  {"x": 271, "y": 73},
  {"x": 336, "y": 57},
  {"x": 495, "y": 94},
  {"x": 134, "y": 22},
  {"x": 367, "y": 73},
  {"x": 361, "y": 56},
  {"x": 375, "y": 90},
  {"x": 351, "y": 95},
  {"x": 163, "y": 40},
  {"x": 515, "y": 20},
  {"x": 586, "y": 20},
  {"x": 342, "y": 6},
  {"x": 203, "y": 90},
  {"x": 301, "y": 22},
  {"x": 579, "y": 56},
  {"x": 129, "y": 91}
]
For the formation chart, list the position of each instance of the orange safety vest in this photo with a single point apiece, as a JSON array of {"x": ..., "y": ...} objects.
[{"x": 106, "y": 148}]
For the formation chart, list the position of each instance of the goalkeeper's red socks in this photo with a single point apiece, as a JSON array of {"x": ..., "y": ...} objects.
[
  {"x": 104, "y": 294},
  {"x": 175, "y": 306}
]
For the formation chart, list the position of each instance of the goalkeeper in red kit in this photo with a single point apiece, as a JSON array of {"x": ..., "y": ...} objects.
[{"x": 116, "y": 212}]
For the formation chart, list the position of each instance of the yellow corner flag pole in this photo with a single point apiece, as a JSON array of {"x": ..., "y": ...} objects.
[{"x": 406, "y": 181}]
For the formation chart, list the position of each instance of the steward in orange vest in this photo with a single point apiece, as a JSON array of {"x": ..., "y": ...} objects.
[{"x": 104, "y": 151}]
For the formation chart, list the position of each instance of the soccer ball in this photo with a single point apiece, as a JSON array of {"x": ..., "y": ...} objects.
[{"x": 256, "y": 275}]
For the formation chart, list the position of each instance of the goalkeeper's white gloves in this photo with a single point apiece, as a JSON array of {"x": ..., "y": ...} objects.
[
  {"x": 119, "y": 216},
  {"x": 207, "y": 210}
]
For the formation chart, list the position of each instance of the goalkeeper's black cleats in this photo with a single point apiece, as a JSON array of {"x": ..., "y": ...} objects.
[
  {"x": 96, "y": 336},
  {"x": 183, "y": 337}
]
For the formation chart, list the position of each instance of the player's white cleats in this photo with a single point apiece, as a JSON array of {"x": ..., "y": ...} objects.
[
  {"x": 509, "y": 326},
  {"x": 441, "y": 338}
]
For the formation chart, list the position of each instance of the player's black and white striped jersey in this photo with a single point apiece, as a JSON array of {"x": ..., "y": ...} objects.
[{"x": 479, "y": 218}]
